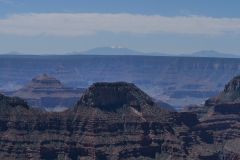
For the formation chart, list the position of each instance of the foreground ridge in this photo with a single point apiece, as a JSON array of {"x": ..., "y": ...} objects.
[
  {"x": 110, "y": 121},
  {"x": 220, "y": 118}
]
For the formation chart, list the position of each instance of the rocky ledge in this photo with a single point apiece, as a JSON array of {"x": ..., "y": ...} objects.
[
  {"x": 110, "y": 121},
  {"x": 230, "y": 94},
  {"x": 48, "y": 93},
  {"x": 116, "y": 121},
  {"x": 220, "y": 118}
]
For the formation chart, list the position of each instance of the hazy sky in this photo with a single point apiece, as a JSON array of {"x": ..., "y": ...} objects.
[{"x": 168, "y": 26}]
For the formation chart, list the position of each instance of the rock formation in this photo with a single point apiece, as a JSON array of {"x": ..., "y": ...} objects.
[
  {"x": 49, "y": 93},
  {"x": 117, "y": 121},
  {"x": 220, "y": 118},
  {"x": 110, "y": 121},
  {"x": 230, "y": 94}
]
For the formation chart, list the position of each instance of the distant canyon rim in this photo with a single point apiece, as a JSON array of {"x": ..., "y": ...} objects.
[{"x": 179, "y": 81}]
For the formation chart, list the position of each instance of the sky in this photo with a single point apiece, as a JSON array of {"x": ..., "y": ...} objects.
[{"x": 166, "y": 26}]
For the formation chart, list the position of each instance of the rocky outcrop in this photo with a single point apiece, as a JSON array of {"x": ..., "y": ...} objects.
[
  {"x": 44, "y": 82},
  {"x": 230, "y": 94},
  {"x": 220, "y": 119},
  {"x": 111, "y": 96},
  {"x": 48, "y": 93},
  {"x": 165, "y": 105},
  {"x": 110, "y": 121},
  {"x": 122, "y": 122},
  {"x": 117, "y": 121}
]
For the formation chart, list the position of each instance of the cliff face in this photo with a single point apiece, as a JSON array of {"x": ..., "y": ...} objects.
[
  {"x": 221, "y": 124},
  {"x": 111, "y": 96},
  {"x": 121, "y": 122},
  {"x": 48, "y": 93},
  {"x": 230, "y": 94},
  {"x": 99, "y": 127},
  {"x": 117, "y": 121},
  {"x": 179, "y": 81},
  {"x": 220, "y": 118}
]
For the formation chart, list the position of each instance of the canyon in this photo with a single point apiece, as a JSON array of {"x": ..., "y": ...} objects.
[
  {"x": 178, "y": 81},
  {"x": 120, "y": 121}
]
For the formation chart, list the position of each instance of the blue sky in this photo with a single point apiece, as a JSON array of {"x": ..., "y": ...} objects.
[{"x": 169, "y": 26}]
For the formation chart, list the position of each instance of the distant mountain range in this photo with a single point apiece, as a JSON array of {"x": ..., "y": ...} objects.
[
  {"x": 127, "y": 51},
  {"x": 211, "y": 53},
  {"x": 116, "y": 51},
  {"x": 111, "y": 51}
]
